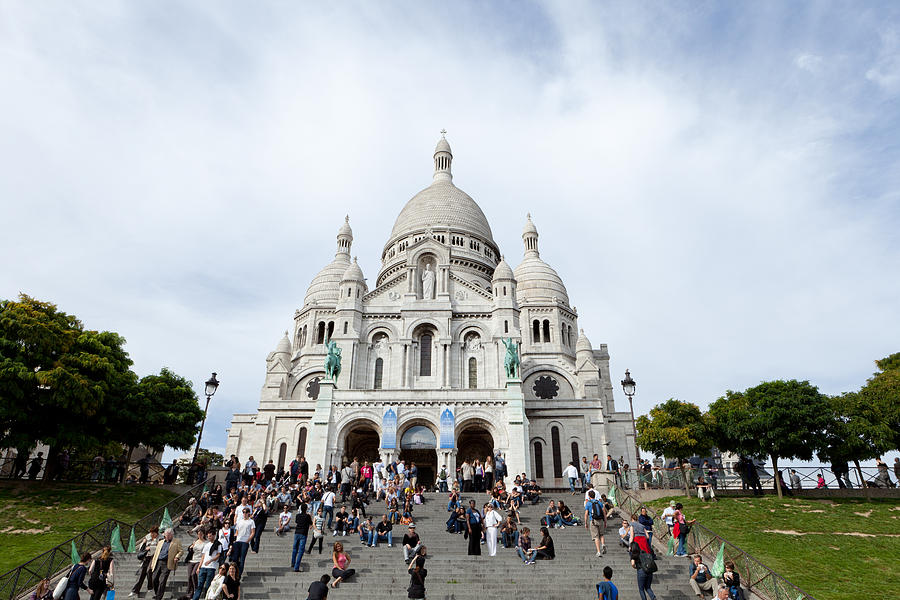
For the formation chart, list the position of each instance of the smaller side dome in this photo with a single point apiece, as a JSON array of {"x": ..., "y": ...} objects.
[
  {"x": 529, "y": 226},
  {"x": 442, "y": 146},
  {"x": 584, "y": 344},
  {"x": 284, "y": 345},
  {"x": 353, "y": 273},
  {"x": 503, "y": 271}
]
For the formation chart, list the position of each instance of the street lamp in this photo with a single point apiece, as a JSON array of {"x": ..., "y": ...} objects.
[
  {"x": 212, "y": 384},
  {"x": 628, "y": 385}
]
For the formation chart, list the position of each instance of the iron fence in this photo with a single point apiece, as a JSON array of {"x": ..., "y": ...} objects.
[
  {"x": 18, "y": 582},
  {"x": 757, "y": 577}
]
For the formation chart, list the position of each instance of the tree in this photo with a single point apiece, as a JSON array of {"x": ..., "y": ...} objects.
[
  {"x": 57, "y": 380},
  {"x": 160, "y": 410},
  {"x": 781, "y": 419},
  {"x": 675, "y": 429}
]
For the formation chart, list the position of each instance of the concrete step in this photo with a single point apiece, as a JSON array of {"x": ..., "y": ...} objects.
[{"x": 452, "y": 574}]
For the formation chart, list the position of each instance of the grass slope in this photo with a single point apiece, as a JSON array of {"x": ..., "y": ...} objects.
[
  {"x": 825, "y": 563},
  {"x": 36, "y": 517}
]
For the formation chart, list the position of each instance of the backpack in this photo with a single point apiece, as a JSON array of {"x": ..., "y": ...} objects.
[
  {"x": 647, "y": 563},
  {"x": 596, "y": 510}
]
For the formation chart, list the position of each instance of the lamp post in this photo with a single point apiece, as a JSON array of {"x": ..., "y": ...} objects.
[
  {"x": 628, "y": 385},
  {"x": 212, "y": 384}
]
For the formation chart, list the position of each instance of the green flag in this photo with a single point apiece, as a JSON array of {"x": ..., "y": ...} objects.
[
  {"x": 718, "y": 566},
  {"x": 166, "y": 521},
  {"x": 115, "y": 540},
  {"x": 75, "y": 558},
  {"x": 612, "y": 496},
  {"x": 131, "y": 542},
  {"x": 670, "y": 549}
]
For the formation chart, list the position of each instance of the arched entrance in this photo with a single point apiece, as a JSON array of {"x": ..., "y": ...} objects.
[
  {"x": 361, "y": 442},
  {"x": 418, "y": 445},
  {"x": 474, "y": 442}
]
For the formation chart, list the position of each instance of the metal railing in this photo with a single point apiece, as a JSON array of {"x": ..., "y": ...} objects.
[
  {"x": 726, "y": 479},
  {"x": 111, "y": 471},
  {"x": 757, "y": 577},
  {"x": 18, "y": 582}
]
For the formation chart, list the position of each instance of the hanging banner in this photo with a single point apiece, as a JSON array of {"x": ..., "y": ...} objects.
[
  {"x": 448, "y": 428},
  {"x": 389, "y": 429}
]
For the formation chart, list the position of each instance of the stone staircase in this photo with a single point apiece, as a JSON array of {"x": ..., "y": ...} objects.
[{"x": 452, "y": 575}]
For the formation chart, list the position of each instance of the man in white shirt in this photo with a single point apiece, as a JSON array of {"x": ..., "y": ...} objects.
[
  {"x": 328, "y": 505},
  {"x": 669, "y": 515},
  {"x": 572, "y": 473},
  {"x": 209, "y": 562},
  {"x": 376, "y": 475},
  {"x": 284, "y": 521},
  {"x": 244, "y": 529}
]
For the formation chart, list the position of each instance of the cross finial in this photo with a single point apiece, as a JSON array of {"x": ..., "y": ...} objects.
[{"x": 443, "y": 133}]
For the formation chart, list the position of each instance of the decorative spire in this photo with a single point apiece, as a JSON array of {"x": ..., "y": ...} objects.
[
  {"x": 344, "y": 239},
  {"x": 530, "y": 237},
  {"x": 443, "y": 158}
]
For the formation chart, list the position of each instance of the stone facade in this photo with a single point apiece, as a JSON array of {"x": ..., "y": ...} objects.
[{"x": 422, "y": 372}]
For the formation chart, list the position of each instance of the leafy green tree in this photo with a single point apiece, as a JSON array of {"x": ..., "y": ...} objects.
[
  {"x": 675, "y": 429},
  {"x": 57, "y": 380},
  {"x": 780, "y": 419}
]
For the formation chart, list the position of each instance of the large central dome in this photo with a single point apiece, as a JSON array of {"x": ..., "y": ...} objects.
[{"x": 442, "y": 205}]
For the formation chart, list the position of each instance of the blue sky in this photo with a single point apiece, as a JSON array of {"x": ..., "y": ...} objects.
[{"x": 717, "y": 183}]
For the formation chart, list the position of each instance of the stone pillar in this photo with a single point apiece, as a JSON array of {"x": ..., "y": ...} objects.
[
  {"x": 318, "y": 436},
  {"x": 517, "y": 455}
]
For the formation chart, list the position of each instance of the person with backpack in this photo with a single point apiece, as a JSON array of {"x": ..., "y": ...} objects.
[
  {"x": 644, "y": 564},
  {"x": 595, "y": 521},
  {"x": 606, "y": 589},
  {"x": 442, "y": 479}
]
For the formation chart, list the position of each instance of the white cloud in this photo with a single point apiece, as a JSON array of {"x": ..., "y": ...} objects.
[{"x": 178, "y": 175}]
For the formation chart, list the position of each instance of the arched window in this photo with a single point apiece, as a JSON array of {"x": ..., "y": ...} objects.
[
  {"x": 379, "y": 373},
  {"x": 546, "y": 331},
  {"x": 320, "y": 333},
  {"x": 473, "y": 373},
  {"x": 425, "y": 355},
  {"x": 301, "y": 443},
  {"x": 575, "y": 454},
  {"x": 345, "y": 327},
  {"x": 504, "y": 290},
  {"x": 505, "y": 326},
  {"x": 330, "y": 329},
  {"x": 538, "y": 460},
  {"x": 562, "y": 335},
  {"x": 571, "y": 341},
  {"x": 349, "y": 291},
  {"x": 303, "y": 337},
  {"x": 557, "y": 457},
  {"x": 536, "y": 332},
  {"x": 282, "y": 454}
]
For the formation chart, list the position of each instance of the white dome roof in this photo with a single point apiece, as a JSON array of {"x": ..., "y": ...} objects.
[
  {"x": 583, "y": 344},
  {"x": 284, "y": 345},
  {"x": 325, "y": 287},
  {"x": 503, "y": 270},
  {"x": 442, "y": 204},
  {"x": 536, "y": 280},
  {"x": 353, "y": 272},
  {"x": 442, "y": 146}
]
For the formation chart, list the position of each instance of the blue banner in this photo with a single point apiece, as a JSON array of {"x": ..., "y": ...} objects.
[
  {"x": 448, "y": 427},
  {"x": 389, "y": 429}
]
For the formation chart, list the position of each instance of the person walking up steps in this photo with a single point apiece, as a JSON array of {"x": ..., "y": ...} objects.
[
  {"x": 301, "y": 530},
  {"x": 606, "y": 589},
  {"x": 595, "y": 521}
]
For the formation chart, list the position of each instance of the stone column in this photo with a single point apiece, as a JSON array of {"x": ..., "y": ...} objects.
[
  {"x": 317, "y": 441},
  {"x": 518, "y": 459}
]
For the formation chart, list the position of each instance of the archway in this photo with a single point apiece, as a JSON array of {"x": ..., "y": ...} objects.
[
  {"x": 361, "y": 442},
  {"x": 474, "y": 442},
  {"x": 418, "y": 445}
]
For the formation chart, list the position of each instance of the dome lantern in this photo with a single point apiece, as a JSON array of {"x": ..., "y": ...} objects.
[
  {"x": 345, "y": 237},
  {"x": 530, "y": 238},
  {"x": 443, "y": 158}
]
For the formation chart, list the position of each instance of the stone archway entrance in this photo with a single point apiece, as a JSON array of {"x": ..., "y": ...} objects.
[
  {"x": 418, "y": 445},
  {"x": 362, "y": 441},
  {"x": 474, "y": 442}
]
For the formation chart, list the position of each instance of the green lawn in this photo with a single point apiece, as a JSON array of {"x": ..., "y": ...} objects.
[
  {"x": 827, "y": 563},
  {"x": 36, "y": 517}
]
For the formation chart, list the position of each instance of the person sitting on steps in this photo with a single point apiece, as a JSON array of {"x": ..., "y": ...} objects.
[{"x": 701, "y": 578}]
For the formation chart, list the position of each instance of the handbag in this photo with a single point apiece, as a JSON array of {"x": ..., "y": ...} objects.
[
  {"x": 316, "y": 534},
  {"x": 60, "y": 588},
  {"x": 685, "y": 529},
  {"x": 111, "y": 595}
]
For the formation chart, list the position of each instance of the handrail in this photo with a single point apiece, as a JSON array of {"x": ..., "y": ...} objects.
[
  {"x": 760, "y": 579},
  {"x": 17, "y": 582}
]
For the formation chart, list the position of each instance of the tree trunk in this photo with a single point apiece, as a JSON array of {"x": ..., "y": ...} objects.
[
  {"x": 127, "y": 462},
  {"x": 862, "y": 480},
  {"x": 777, "y": 477},
  {"x": 50, "y": 463},
  {"x": 687, "y": 486}
]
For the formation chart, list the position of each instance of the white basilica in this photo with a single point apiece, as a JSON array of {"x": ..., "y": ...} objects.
[{"x": 422, "y": 373}]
